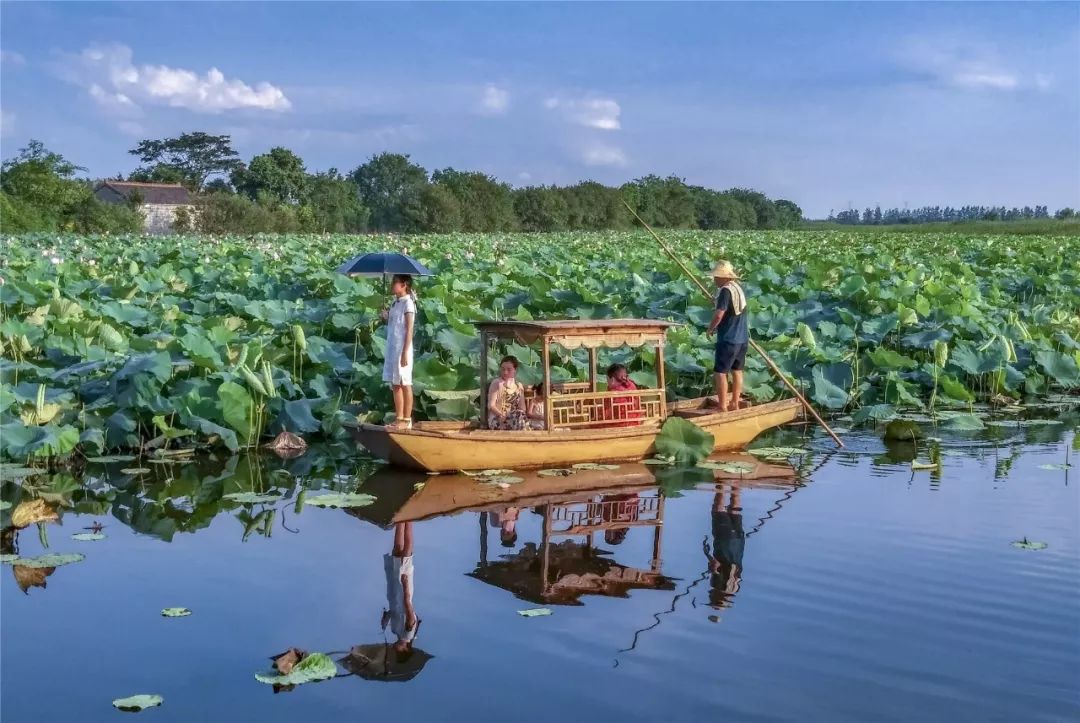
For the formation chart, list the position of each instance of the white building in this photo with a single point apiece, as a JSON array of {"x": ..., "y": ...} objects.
[{"x": 157, "y": 202}]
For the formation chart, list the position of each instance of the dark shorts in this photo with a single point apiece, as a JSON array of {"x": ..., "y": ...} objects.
[{"x": 729, "y": 358}]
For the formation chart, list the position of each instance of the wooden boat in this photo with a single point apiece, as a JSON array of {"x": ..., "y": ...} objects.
[{"x": 579, "y": 424}]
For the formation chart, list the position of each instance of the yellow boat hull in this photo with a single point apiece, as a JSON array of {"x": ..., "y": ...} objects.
[{"x": 451, "y": 446}]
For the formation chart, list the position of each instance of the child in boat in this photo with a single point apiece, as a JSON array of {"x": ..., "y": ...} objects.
[
  {"x": 536, "y": 408},
  {"x": 621, "y": 408},
  {"x": 730, "y": 324},
  {"x": 398, "y": 365},
  {"x": 506, "y": 398}
]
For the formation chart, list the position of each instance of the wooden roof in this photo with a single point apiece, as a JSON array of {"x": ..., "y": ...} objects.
[{"x": 575, "y": 333}]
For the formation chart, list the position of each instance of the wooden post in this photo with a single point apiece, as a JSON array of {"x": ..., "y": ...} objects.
[
  {"x": 592, "y": 370},
  {"x": 661, "y": 383},
  {"x": 658, "y": 535},
  {"x": 545, "y": 547},
  {"x": 483, "y": 379},
  {"x": 546, "y": 359}
]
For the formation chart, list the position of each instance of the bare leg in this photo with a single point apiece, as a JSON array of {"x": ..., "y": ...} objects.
[
  {"x": 736, "y": 388},
  {"x": 721, "y": 391},
  {"x": 399, "y": 539},
  {"x": 399, "y": 404},
  {"x": 407, "y": 402},
  {"x": 407, "y": 549}
]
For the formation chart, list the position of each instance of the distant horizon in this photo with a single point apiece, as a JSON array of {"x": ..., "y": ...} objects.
[{"x": 832, "y": 106}]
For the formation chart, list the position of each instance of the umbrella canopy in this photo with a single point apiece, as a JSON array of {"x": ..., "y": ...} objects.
[
  {"x": 383, "y": 263},
  {"x": 379, "y": 661}
]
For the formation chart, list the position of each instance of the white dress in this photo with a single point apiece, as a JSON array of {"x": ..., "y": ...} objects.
[
  {"x": 396, "y": 595},
  {"x": 393, "y": 372}
]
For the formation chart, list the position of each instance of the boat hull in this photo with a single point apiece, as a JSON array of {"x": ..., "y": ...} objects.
[{"x": 448, "y": 448}]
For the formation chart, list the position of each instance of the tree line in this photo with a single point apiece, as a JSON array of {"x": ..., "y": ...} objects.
[
  {"x": 948, "y": 214},
  {"x": 275, "y": 192}
]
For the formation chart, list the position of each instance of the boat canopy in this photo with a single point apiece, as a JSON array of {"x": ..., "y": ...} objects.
[
  {"x": 577, "y": 333},
  {"x": 588, "y": 406}
]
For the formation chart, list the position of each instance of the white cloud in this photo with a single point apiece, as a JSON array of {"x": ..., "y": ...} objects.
[
  {"x": 12, "y": 58},
  {"x": 110, "y": 76},
  {"x": 603, "y": 155},
  {"x": 591, "y": 112},
  {"x": 7, "y": 123},
  {"x": 968, "y": 65},
  {"x": 132, "y": 128},
  {"x": 495, "y": 100}
]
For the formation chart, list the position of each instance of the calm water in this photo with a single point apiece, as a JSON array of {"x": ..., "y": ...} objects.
[{"x": 844, "y": 587}]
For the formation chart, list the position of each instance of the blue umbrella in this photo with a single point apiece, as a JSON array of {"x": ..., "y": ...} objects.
[{"x": 383, "y": 263}]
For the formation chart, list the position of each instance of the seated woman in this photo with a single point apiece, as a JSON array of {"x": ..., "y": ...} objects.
[
  {"x": 536, "y": 408},
  {"x": 621, "y": 408},
  {"x": 506, "y": 398}
]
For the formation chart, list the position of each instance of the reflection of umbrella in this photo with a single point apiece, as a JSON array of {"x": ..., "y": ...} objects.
[
  {"x": 383, "y": 263},
  {"x": 379, "y": 661}
]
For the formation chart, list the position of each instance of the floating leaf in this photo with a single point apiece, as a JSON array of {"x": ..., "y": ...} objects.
[
  {"x": 1056, "y": 467},
  {"x": 534, "y": 612},
  {"x": 175, "y": 612},
  {"x": 135, "y": 470},
  {"x": 1026, "y": 544},
  {"x": 502, "y": 480},
  {"x": 49, "y": 560},
  {"x": 88, "y": 536},
  {"x": 730, "y": 467},
  {"x": 4, "y": 504},
  {"x": 556, "y": 472},
  {"x": 918, "y": 466},
  {"x": 418, "y": 486},
  {"x": 136, "y": 703},
  {"x": 350, "y": 499},
  {"x": 684, "y": 441},
  {"x": 12, "y": 472},
  {"x": 964, "y": 423},
  {"x": 593, "y": 465},
  {"x": 658, "y": 461},
  {"x": 314, "y": 667},
  {"x": 253, "y": 498},
  {"x": 777, "y": 452}
]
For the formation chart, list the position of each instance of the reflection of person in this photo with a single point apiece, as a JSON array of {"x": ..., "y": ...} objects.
[
  {"x": 618, "y": 508},
  {"x": 506, "y": 521},
  {"x": 400, "y": 613},
  {"x": 730, "y": 324},
  {"x": 506, "y": 398},
  {"x": 726, "y": 556}
]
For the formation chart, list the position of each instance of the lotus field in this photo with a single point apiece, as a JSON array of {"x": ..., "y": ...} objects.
[{"x": 179, "y": 343}]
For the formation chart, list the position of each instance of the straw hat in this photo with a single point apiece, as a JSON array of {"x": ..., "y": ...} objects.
[{"x": 724, "y": 270}]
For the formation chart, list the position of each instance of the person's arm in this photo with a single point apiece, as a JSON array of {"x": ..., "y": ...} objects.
[
  {"x": 723, "y": 303},
  {"x": 493, "y": 398},
  {"x": 406, "y": 348}
]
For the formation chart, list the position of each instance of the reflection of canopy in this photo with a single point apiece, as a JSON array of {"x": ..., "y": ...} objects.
[
  {"x": 577, "y": 333},
  {"x": 379, "y": 661},
  {"x": 579, "y": 570}
]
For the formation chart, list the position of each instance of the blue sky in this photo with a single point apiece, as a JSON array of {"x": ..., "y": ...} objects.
[{"x": 825, "y": 104}]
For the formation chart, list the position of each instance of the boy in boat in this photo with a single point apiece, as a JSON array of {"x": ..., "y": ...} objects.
[{"x": 730, "y": 324}]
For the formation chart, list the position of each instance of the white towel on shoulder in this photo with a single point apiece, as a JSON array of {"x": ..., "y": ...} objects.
[{"x": 738, "y": 297}]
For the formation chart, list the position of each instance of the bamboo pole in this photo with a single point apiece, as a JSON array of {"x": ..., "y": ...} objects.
[
  {"x": 483, "y": 379},
  {"x": 768, "y": 362}
]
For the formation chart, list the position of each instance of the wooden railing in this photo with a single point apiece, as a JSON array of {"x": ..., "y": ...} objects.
[{"x": 606, "y": 409}]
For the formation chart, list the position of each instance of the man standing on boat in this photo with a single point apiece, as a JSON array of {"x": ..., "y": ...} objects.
[{"x": 730, "y": 324}]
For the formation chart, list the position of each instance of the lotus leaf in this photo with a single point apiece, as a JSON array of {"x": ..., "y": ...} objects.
[
  {"x": 1057, "y": 466},
  {"x": 557, "y": 472},
  {"x": 534, "y": 612},
  {"x": 778, "y": 452},
  {"x": 730, "y": 467},
  {"x": 88, "y": 536},
  {"x": 136, "y": 703},
  {"x": 964, "y": 423},
  {"x": 595, "y": 466},
  {"x": 253, "y": 498},
  {"x": 1026, "y": 544},
  {"x": 314, "y": 667},
  {"x": 49, "y": 560},
  {"x": 352, "y": 499},
  {"x": 175, "y": 612},
  {"x": 683, "y": 441}
]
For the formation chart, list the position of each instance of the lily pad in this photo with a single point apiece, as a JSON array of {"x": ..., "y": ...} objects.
[
  {"x": 88, "y": 536},
  {"x": 658, "y": 462},
  {"x": 490, "y": 472},
  {"x": 49, "y": 560},
  {"x": 964, "y": 423},
  {"x": 419, "y": 486},
  {"x": 729, "y": 467},
  {"x": 593, "y": 465},
  {"x": 1057, "y": 466},
  {"x": 4, "y": 504},
  {"x": 917, "y": 466},
  {"x": 10, "y": 472},
  {"x": 1026, "y": 544},
  {"x": 111, "y": 458},
  {"x": 252, "y": 498},
  {"x": 135, "y": 470},
  {"x": 314, "y": 667},
  {"x": 777, "y": 452},
  {"x": 175, "y": 612},
  {"x": 341, "y": 499},
  {"x": 556, "y": 472},
  {"x": 136, "y": 703},
  {"x": 684, "y": 441},
  {"x": 7, "y": 558},
  {"x": 502, "y": 480},
  {"x": 534, "y": 612}
]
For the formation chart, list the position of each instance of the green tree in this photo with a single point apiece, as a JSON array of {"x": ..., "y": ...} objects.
[
  {"x": 44, "y": 181},
  {"x": 665, "y": 202},
  {"x": 717, "y": 211},
  {"x": 1064, "y": 214},
  {"x": 160, "y": 174},
  {"x": 486, "y": 204},
  {"x": 594, "y": 206},
  {"x": 435, "y": 209},
  {"x": 539, "y": 208},
  {"x": 790, "y": 215},
  {"x": 387, "y": 182},
  {"x": 195, "y": 155},
  {"x": 334, "y": 203},
  {"x": 764, "y": 209},
  {"x": 279, "y": 175}
]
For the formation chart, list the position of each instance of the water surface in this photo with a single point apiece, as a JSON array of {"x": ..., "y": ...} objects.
[{"x": 842, "y": 586}]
